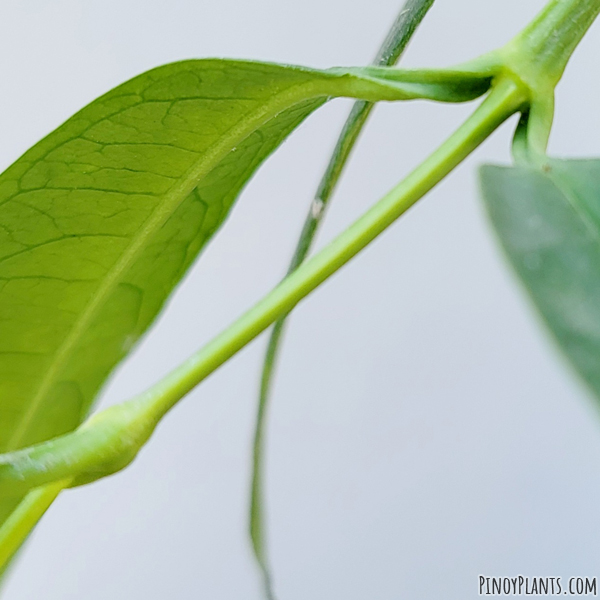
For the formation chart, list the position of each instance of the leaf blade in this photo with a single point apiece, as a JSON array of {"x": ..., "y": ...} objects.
[{"x": 548, "y": 222}]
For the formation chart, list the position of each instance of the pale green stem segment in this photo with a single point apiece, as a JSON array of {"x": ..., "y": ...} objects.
[
  {"x": 547, "y": 43},
  {"x": 110, "y": 440},
  {"x": 538, "y": 56},
  {"x": 16, "y": 529},
  {"x": 402, "y": 30},
  {"x": 504, "y": 100}
]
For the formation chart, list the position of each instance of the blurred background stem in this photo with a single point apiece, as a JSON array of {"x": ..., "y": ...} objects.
[{"x": 403, "y": 28}]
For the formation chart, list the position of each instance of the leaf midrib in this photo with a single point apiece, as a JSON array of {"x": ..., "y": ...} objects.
[{"x": 161, "y": 213}]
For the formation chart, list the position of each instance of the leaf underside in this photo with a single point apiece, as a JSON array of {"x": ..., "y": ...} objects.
[
  {"x": 101, "y": 219},
  {"x": 548, "y": 221}
]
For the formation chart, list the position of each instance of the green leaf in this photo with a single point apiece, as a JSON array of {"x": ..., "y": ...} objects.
[
  {"x": 101, "y": 219},
  {"x": 548, "y": 221}
]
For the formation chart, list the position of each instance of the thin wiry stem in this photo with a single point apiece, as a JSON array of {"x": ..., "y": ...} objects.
[{"x": 392, "y": 48}]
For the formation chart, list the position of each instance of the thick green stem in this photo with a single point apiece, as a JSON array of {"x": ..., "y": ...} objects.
[
  {"x": 538, "y": 56},
  {"x": 504, "y": 100},
  {"x": 548, "y": 42}
]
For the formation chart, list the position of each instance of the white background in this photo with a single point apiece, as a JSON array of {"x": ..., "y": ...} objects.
[{"x": 424, "y": 430}]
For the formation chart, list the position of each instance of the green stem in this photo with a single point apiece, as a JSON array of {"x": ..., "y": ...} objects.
[
  {"x": 504, "y": 100},
  {"x": 22, "y": 520},
  {"x": 538, "y": 56},
  {"x": 402, "y": 30},
  {"x": 548, "y": 42}
]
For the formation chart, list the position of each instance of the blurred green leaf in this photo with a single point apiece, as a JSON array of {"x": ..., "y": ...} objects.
[{"x": 548, "y": 221}]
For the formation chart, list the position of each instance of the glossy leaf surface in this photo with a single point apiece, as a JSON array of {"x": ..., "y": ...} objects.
[{"x": 548, "y": 221}]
